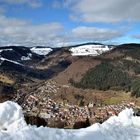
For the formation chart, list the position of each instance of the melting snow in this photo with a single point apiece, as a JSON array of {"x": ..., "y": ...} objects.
[
  {"x": 91, "y": 50},
  {"x": 13, "y": 127}
]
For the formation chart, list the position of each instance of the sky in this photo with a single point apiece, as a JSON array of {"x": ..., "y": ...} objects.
[{"x": 58, "y": 23}]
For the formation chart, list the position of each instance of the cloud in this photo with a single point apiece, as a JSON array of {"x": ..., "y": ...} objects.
[
  {"x": 98, "y": 34},
  {"x": 31, "y": 3},
  {"x": 56, "y": 4},
  {"x": 136, "y": 36},
  {"x": 19, "y": 32},
  {"x": 107, "y": 11},
  {"x": 2, "y": 10},
  {"x": 13, "y": 22},
  {"x": 63, "y": 3}
]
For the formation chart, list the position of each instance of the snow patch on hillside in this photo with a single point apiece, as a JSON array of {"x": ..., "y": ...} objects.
[
  {"x": 5, "y": 59},
  {"x": 13, "y": 127},
  {"x": 5, "y": 50},
  {"x": 89, "y": 50},
  {"x": 41, "y": 51},
  {"x": 28, "y": 57}
]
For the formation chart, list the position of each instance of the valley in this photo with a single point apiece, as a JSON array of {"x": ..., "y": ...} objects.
[{"x": 54, "y": 85}]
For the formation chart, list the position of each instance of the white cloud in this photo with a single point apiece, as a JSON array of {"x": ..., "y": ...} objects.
[
  {"x": 4, "y": 22},
  {"x": 108, "y": 11},
  {"x": 15, "y": 31},
  {"x": 31, "y": 3},
  {"x": 96, "y": 34}
]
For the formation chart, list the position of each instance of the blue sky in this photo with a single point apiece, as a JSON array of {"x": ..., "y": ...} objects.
[{"x": 65, "y": 22}]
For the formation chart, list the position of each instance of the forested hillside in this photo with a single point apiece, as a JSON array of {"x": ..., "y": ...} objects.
[{"x": 115, "y": 73}]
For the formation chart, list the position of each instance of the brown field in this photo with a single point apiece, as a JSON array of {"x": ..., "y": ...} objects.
[
  {"x": 74, "y": 96},
  {"x": 5, "y": 79}
]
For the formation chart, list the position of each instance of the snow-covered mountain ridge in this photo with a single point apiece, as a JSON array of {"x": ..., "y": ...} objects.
[
  {"x": 89, "y": 50},
  {"x": 125, "y": 126},
  {"x": 19, "y": 54},
  {"x": 79, "y": 50},
  {"x": 41, "y": 51}
]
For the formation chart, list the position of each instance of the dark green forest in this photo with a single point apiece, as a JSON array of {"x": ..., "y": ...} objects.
[
  {"x": 112, "y": 75},
  {"x": 104, "y": 77}
]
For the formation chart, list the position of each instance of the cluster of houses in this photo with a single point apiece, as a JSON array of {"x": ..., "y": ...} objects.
[
  {"x": 100, "y": 114},
  {"x": 48, "y": 87},
  {"x": 46, "y": 108},
  {"x": 40, "y": 104}
]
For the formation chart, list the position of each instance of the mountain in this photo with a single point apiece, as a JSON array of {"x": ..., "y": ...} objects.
[
  {"x": 27, "y": 60},
  {"x": 119, "y": 70},
  {"x": 74, "y": 75},
  {"x": 84, "y": 65},
  {"x": 89, "y": 50},
  {"x": 31, "y": 66},
  {"x": 41, "y": 50},
  {"x": 111, "y": 77}
]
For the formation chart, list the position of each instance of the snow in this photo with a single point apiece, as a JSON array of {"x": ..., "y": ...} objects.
[
  {"x": 11, "y": 117},
  {"x": 15, "y": 62},
  {"x": 13, "y": 127},
  {"x": 24, "y": 58},
  {"x": 41, "y": 51},
  {"x": 91, "y": 50},
  {"x": 5, "y": 50}
]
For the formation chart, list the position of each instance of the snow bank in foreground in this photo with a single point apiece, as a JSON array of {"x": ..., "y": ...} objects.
[{"x": 13, "y": 127}]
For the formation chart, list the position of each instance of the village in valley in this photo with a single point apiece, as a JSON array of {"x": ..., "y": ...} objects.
[{"x": 62, "y": 114}]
